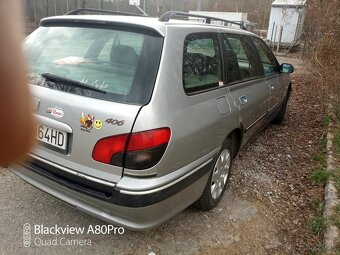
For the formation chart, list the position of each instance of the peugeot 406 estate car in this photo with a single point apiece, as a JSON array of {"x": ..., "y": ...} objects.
[{"x": 141, "y": 117}]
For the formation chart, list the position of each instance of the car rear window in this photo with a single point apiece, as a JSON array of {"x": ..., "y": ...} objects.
[{"x": 120, "y": 62}]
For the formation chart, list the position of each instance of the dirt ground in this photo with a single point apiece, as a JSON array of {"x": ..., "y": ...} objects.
[{"x": 264, "y": 211}]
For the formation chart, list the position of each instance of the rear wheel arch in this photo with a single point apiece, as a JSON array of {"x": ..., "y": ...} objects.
[
  {"x": 230, "y": 146},
  {"x": 236, "y": 138}
]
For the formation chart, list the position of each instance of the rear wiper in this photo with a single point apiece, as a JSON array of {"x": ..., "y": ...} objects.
[{"x": 56, "y": 78}]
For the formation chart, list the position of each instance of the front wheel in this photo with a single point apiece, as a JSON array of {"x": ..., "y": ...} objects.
[{"x": 218, "y": 179}]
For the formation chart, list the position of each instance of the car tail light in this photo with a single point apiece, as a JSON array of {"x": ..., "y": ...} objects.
[{"x": 137, "y": 151}]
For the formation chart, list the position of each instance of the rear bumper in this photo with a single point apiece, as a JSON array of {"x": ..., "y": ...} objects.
[{"x": 133, "y": 210}]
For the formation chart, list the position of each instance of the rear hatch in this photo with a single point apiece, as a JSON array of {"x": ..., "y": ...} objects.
[{"x": 88, "y": 82}]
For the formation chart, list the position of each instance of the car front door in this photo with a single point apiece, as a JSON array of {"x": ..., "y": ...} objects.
[{"x": 271, "y": 70}]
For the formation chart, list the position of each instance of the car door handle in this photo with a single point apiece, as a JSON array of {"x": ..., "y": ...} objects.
[{"x": 243, "y": 99}]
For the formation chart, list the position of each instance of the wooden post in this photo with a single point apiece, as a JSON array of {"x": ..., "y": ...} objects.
[
  {"x": 271, "y": 36},
  {"x": 34, "y": 11},
  {"x": 279, "y": 39},
  {"x": 274, "y": 37}
]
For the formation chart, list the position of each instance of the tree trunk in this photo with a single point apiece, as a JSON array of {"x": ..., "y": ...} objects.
[
  {"x": 34, "y": 12},
  {"x": 46, "y": 8},
  {"x": 55, "y": 8},
  {"x": 67, "y": 9}
]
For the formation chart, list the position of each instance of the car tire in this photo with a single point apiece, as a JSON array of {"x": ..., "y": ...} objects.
[
  {"x": 218, "y": 178},
  {"x": 280, "y": 116}
]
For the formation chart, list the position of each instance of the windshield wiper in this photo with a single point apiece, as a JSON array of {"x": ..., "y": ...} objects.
[{"x": 56, "y": 78}]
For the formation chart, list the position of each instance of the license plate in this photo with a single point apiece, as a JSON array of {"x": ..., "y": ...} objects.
[{"x": 51, "y": 137}]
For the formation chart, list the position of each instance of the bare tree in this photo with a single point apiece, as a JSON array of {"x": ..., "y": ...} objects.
[{"x": 258, "y": 10}]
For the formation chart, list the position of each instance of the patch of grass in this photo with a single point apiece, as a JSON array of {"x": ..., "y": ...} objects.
[
  {"x": 336, "y": 216},
  {"x": 337, "y": 116},
  {"x": 320, "y": 176},
  {"x": 317, "y": 204},
  {"x": 335, "y": 252},
  {"x": 319, "y": 157},
  {"x": 337, "y": 142},
  {"x": 323, "y": 143},
  {"x": 318, "y": 249},
  {"x": 336, "y": 179},
  {"x": 326, "y": 121},
  {"x": 336, "y": 109},
  {"x": 317, "y": 225}
]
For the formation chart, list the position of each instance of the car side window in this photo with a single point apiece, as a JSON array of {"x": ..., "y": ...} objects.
[
  {"x": 269, "y": 62},
  {"x": 240, "y": 55},
  {"x": 201, "y": 62},
  {"x": 232, "y": 67}
]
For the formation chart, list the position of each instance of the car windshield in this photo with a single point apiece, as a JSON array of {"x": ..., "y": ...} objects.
[{"x": 121, "y": 62}]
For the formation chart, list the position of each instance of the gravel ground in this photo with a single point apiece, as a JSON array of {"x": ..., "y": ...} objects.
[{"x": 264, "y": 210}]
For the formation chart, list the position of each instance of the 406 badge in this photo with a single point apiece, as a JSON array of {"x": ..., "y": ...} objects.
[{"x": 115, "y": 122}]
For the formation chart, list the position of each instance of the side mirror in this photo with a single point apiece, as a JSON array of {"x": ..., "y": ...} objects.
[{"x": 286, "y": 68}]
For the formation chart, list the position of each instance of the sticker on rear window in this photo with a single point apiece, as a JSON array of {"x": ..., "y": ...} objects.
[{"x": 86, "y": 121}]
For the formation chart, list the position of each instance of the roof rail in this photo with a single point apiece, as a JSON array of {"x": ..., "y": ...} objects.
[
  {"x": 168, "y": 15},
  {"x": 79, "y": 11}
]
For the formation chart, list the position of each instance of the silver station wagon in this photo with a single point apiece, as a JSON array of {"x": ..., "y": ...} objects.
[{"x": 141, "y": 117}]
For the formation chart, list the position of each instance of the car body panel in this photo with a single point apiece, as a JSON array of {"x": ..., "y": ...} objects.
[
  {"x": 257, "y": 96},
  {"x": 199, "y": 125},
  {"x": 140, "y": 218},
  {"x": 82, "y": 140}
]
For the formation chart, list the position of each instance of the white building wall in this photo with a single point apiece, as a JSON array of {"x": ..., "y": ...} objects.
[{"x": 288, "y": 17}]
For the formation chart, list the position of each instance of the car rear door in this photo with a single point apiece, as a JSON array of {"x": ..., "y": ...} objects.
[{"x": 244, "y": 75}]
